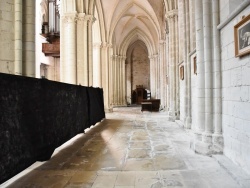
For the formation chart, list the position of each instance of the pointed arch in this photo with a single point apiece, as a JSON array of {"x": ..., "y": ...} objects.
[
  {"x": 99, "y": 8},
  {"x": 134, "y": 35}
]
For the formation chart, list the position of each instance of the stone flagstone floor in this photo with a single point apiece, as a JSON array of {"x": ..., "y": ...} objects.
[{"x": 129, "y": 149}]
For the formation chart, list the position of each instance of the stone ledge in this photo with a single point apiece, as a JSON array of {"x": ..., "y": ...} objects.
[
  {"x": 180, "y": 123},
  {"x": 239, "y": 175}
]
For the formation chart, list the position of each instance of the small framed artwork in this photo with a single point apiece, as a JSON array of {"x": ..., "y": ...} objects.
[
  {"x": 195, "y": 65},
  {"x": 182, "y": 72},
  {"x": 242, "y": 37}
]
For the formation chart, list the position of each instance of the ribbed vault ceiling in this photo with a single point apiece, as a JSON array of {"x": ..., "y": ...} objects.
[{"x": 130, "y": 20}]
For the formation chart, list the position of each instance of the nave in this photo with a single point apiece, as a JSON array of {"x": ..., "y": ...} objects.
[{"x": 131, "y": 149}]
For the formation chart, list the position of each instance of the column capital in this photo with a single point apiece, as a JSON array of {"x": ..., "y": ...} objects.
[
  {"x": 81, "y": 16},
  {"x": 122, "y": 57},
  {"x": 172, "y": 14},
  {"x": 97, "y": 45},
  {"x": 90, "y": 18},
  {"x": 162, "y": 41},
  {"x": 69, "y": 17},
  {"x": 152, "y": 57},
  {"x": 105, "y": 45}
]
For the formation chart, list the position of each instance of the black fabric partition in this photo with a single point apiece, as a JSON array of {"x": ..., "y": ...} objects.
[
  {"x": 37, "y": 115},
  {"x": 96, "y": 107}
]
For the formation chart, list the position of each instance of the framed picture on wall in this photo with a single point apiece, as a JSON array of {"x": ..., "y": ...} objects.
[
  {"x": 182, "y": 72},
  {"x": 242, "y": 37},
  {"x": 195, "y": 65}
]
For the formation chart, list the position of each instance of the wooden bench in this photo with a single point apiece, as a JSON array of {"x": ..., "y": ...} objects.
[
  {"x": 146, "y": 106},
  {"x": 155, "y": 105}
]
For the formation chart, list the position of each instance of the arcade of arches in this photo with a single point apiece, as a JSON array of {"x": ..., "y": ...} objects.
[{"x": 182, "y": 51}]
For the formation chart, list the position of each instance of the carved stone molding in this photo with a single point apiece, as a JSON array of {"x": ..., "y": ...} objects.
[
  {"x": 105, "y": 45},
  {"x": 69, "y": 18},
  {"x": 172, "y": 14},
  {"x": 97, "y": 45},
  {"x": 162, "y": 42},
  {"x": 90, "y": 18},
  {"x": 81, "y": 17},
  {"x": 153, "y": 57}
]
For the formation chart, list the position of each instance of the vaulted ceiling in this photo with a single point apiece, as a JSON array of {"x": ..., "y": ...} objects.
[{"x": 127, "y": 21}]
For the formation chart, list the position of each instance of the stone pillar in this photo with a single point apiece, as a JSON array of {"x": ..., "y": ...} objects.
[
  {"x": 187, "y": 67},
  {"x": 217, "y": 103},
  {"x": 129, "y": 81},
  {"x": 157, "y": 76},
  {"x": 68, "y": 44},
  {"x": 173, "y": 60},
  {"x": 162, "y": 73},
  {"x": 81, "y": 69},
  {"x": 115, "y": 81},
  {"x": 167, "y": 70},
  {"x": 105, "y": 76},
  {"x": 90, "y": 48},
  {"x": 118, "y": 78},
  {"x": 152, "y": 77},
  {"x": 29, "y": 38},
  {"x": 176, "y": 51},
  {"x": 200, "y": 91},
  {"x": 18, "y": 37},
  {"x": 207, "y": 26},
  {"x": 124, "y": 81},
  {"x": 97, "y": 73}
]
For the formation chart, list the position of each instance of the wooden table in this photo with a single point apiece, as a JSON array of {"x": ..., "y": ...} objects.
[
  {"x": 146, "y": 106},
  {"x": 150, "y": 105}
]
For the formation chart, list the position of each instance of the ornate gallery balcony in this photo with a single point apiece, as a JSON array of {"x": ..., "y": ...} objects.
[{"x": 51, "y": 49}]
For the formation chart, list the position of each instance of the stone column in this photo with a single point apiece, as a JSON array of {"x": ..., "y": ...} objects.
[
  {"x": 124, "y": 81},
  {"x": 217, "y": 136},
  {"x": 18, "y": 37},
  {"x": 118, "y": 78},
  {"x": 207, "y": 26},
  {"x": 177, "y": 82},
  {"x": 68, "y": 42},
  {"x": 152, "y": 77},
  {"x": 172, "y": 20},
  {"x": 105, "y": 76},
  {"x": 97, "y": 73},
  {"x": 29, "y": 38},
  {"x": 200, "y": 91},
  {"x": 157, "y": 76},
  {"x": 91, "y": 19},
  {"x": 115, "y": 81},
  {"x": 187, "y": 66},
  {"x": 128, "y": 80},
  {"x": 162, "y": 71},
  {"x": 81, "y": 71},
  {"x": 85, "y": 52},
  {"x": 167, "y": 70}
]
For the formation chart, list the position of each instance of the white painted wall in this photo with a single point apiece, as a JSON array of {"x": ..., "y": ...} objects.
[{"x": 235, "y": 96}]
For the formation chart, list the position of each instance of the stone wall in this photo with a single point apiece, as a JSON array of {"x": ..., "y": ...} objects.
[
  {"x": 140, "y": 67},
  {"x": 7, "y": 36},
  {"x": 236, "y": 96}
]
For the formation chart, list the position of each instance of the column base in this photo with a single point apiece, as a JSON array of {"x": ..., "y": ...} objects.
[
  {"x": 218, "y": 142},
  {"x": 207, "y": 144},
  {"x": 108, "y": 110},
  {"x": 172, "y": 116},
  {"x": 187, "y": 123},
  {"x": 207, "y": 138},
  {"x": 202, "y": 148}
]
